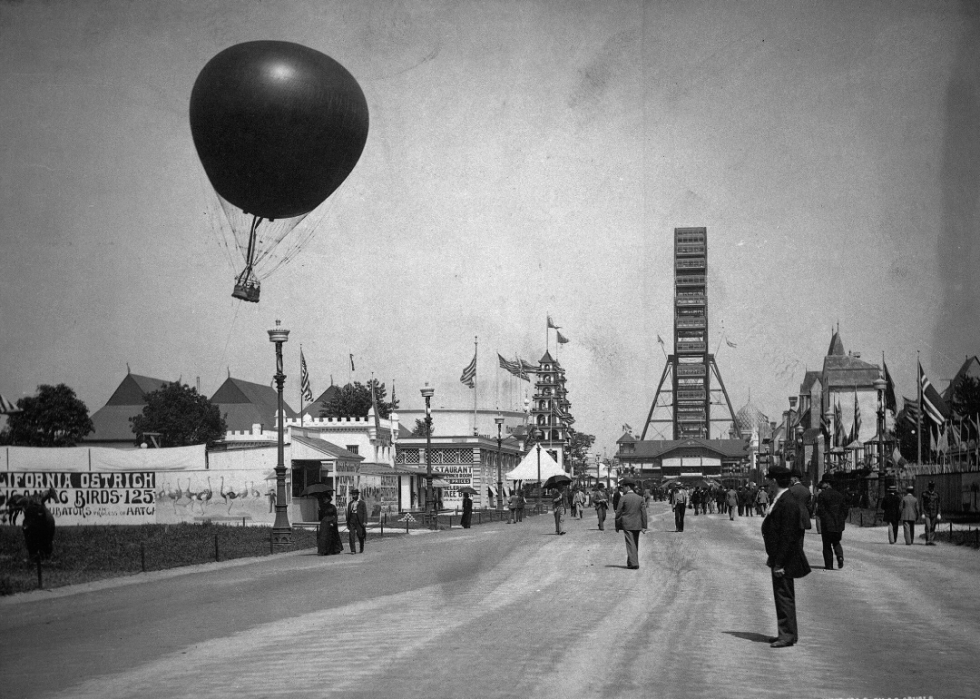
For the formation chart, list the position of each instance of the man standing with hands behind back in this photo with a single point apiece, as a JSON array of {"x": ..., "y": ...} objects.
[
  {"x": 782, "y": 531},
  {"x": 631, "y": 517}
]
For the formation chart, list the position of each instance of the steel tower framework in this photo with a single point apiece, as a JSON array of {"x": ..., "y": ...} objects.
[{"x": 686, "y": 393}]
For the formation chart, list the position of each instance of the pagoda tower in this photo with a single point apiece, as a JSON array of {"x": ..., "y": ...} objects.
[
  {"x": 549, "y": 409},
  {"x": 682, "y": 406}
]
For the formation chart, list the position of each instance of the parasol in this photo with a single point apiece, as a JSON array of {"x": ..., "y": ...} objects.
[{"x": 556, "y": 481}]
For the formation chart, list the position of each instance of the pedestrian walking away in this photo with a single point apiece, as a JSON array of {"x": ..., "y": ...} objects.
[
  {"x": 467, "y": 511},
  {"x": 909, "y": 514},
  {"x": 601, "y": 503},
  {"x": 631, "y": 518},
  {"x": 891, "y": 512},
  {"x": 930, "y": 507},
  {"x": 731, "y": 500},
  {"x": 356, "y": 521},
  {"x": 830, "y": 509},
  {"x": 680, "y": 504},
  {"x": 512, "y": 505},
  {"x": 782, "y": 532},
  {"x": 521, "y": 502}
]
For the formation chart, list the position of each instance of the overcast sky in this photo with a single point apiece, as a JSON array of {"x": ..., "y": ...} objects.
[{"x": 523, "y": 158}]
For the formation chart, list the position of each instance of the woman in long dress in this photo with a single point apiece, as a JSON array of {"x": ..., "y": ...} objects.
[{"x": 327, "y": 535}]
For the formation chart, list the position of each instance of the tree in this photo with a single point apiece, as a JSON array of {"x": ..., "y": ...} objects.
[
  {"x": 578, "y": 449},
  {"x": 966, "y": 401},
  {"x": 354, "y": 400},
  {"x": 421, "y": 429},
  {"x": 55, "y": 417},
  {"x": 181, "y": 416}
]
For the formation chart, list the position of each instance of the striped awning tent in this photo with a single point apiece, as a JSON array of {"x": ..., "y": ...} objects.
[{"x": 7, "y": 407}]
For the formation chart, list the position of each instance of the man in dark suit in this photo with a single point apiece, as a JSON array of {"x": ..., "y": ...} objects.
[
  {"x": 782, "y": 531},
  {"x": 831, "y": 511},
  {"x": 802, "y": 493},
  {"x": 356, "y": 520},
  {"x": 631, "y": 517}
]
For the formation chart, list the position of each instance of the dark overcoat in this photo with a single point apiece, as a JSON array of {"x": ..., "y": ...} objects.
[
  {"x": 782, "y": 531},
  {"x": 831, "y": 509}
]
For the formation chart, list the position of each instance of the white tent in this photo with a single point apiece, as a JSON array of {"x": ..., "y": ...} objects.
[{"x": 527, "y": 470}]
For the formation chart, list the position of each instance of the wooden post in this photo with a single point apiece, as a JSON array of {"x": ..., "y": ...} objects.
[
  {"x": 215, "y": 548},
  {"x": 40, "y": 579},
  {"x": 143, "y": 556},
  {"x": 272, "y": 548}
]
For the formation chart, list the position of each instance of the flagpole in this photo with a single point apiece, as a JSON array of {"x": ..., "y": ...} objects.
[
  {"x": 918, "y": 416},
  {"x": 301, "y": 383}
]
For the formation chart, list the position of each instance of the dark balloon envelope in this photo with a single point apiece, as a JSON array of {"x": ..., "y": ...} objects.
[{"x": 277, "y": 126}]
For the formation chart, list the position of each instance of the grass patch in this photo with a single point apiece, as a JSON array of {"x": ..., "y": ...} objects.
[{"x": 88, "y": 553}]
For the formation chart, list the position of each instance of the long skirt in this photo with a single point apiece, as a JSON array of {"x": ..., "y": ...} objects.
[{"x": 328, "y": 541}]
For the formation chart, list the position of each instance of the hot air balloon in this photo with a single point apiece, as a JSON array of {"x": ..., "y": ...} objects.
[{"x": 278, "y": 128}]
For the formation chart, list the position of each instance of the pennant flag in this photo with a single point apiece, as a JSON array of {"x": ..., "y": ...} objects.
[
  {"x": 551, "y": 323},
  {"x": 304, "y": 379},
  {"x": 469, "y": 373},
  {"x": 890, "y": 402},
  {"x": 731, "y": 344},
  {"x": 660, "y": 340},
  {"x": 933, "y": 442},
  {"x": 7, "y": 408},
  {"x": 374, "y": 404},
  {"x": 526, "y": 369},
  {"x": 932, "y": 403},
  {"x": 562, "y": 340},
  {"x": 352, "y": 362}
]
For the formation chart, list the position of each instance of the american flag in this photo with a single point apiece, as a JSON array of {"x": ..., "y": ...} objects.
[
  {"x": 469, "y": 373},
  {"x": 304, "y": 378}
]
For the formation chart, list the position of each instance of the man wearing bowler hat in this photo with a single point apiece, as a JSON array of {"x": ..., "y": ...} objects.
[
  {"x": 356, "y": 521},
  {"x": 782, "y": 531}
]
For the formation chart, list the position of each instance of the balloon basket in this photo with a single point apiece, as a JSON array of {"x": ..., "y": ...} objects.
[{"x": 246, "y": 292}]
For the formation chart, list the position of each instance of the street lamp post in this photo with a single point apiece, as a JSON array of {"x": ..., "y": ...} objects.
[
  {"x": 282, "y": 533},
  {"x": 500, "y": 480},
  {"x": 427, "y": 392},
  {"x": 539, "y": 435}
]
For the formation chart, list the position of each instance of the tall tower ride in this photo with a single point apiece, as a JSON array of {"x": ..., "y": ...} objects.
[{"x": 685, "y": 394}]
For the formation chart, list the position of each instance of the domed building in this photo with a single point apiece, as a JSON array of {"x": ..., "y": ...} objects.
[{"x": 750, "y": 419}]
